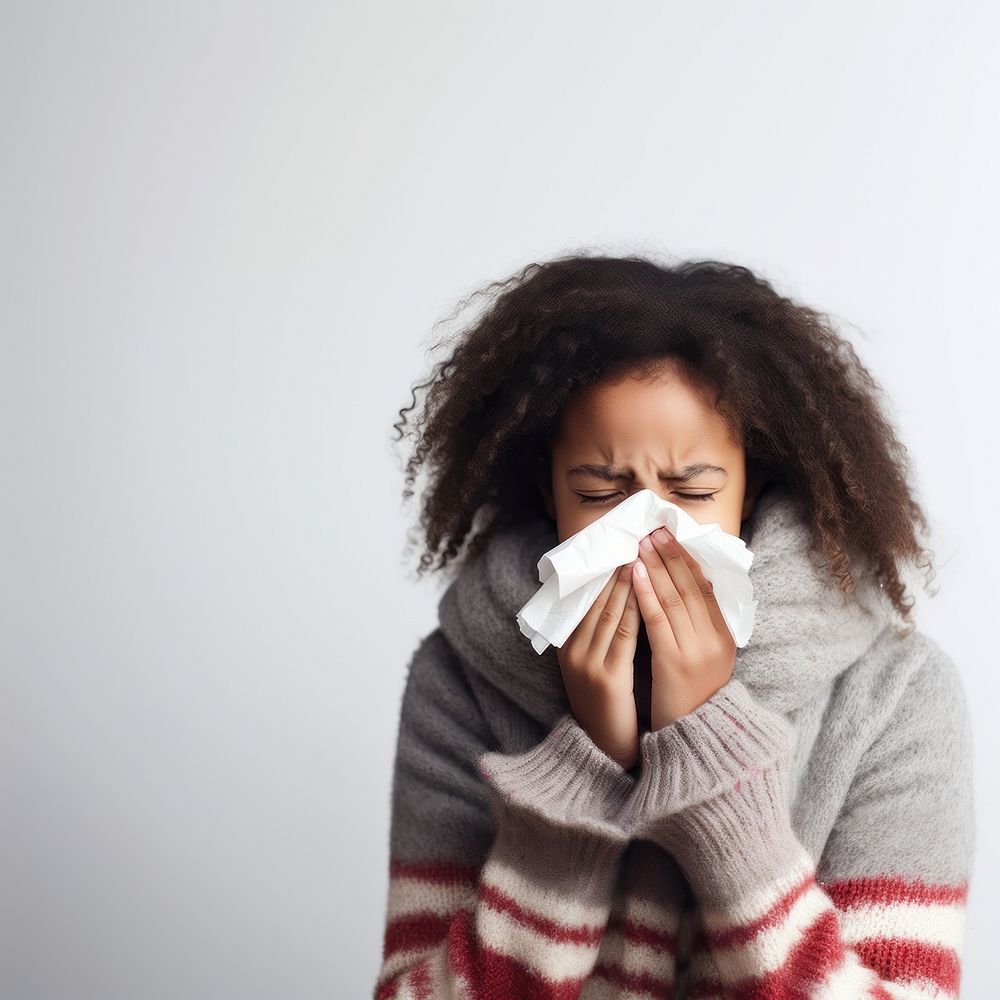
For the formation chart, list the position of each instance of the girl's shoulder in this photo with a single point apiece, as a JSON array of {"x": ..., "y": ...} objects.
[
  {"x": 916, "y": 695},
  {"x": 905, "y": 694}
]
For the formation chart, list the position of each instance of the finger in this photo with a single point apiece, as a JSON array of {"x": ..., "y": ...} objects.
[
  {"x": 610, "y": 619},
  {"x": 673, "y": 555},
  {"x": 582, "y": 636},
  {"x": 708, "y": 592},
  {"x": 626, "y": 636},
  {"x": 671, "y": 600},
  {"x": 661, "y": 636}
]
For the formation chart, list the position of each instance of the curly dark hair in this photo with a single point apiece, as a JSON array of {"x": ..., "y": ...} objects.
[{"x": 792, "y": 390}]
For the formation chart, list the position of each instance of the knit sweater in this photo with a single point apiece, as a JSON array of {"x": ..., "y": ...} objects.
[{"x": 807, "y": 832}]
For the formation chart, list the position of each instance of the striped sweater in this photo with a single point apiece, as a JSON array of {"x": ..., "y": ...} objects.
[{"x": 806, "y": 832}]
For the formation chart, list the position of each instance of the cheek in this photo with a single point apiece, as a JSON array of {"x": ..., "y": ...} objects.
[
  {"x": 575, "y": 516},
  {"x": 570, "y": 524},
  {"x": 726, "y": 515}
]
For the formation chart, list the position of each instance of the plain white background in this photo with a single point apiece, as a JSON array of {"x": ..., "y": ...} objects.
[{"x": 228, "y": 230}]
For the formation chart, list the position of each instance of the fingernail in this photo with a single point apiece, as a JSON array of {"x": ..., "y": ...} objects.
[
  {"x": 640, "y": 568},
  {"x": 646, "y": 542}
]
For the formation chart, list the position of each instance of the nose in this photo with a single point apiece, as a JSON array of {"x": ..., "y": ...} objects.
[{"x": 659, "y": 488}]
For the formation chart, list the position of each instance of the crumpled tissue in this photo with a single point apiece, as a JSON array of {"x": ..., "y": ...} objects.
[{"x": 574, "y": 572}]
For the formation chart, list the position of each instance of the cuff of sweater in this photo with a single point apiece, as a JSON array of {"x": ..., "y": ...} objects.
[
  {"x": 724, "y": 741},
  {"x": 739, "y": 846},
  {"x": 713, "y": 792},
  {"x": 566, "y": 781}
]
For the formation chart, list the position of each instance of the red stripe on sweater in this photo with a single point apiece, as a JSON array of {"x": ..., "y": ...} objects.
[
  {"x": 740, "y": 934},
  {"x": 879, "y": 992},
  {"x": 821, "y": 951},
  {"x": 491, "y": 976},
  {"x": 707, "y": 987},
  {"x": 388, "y": 990},
  {"x": 892, "y": 889},
  {"x": 897, "y": 961},
  {"x": 561, "y": 933},
  {"x": 420, "y": 980},
  {"x": 810, "y": 961},
  {"x": 904, "y": 961},
  {"x": 634, "y": 982},
  {"x": 421, "y": 930},
  {"x": 418, "y": 930},
  {"x": 488, "y": 974},
  {"x": 438, "y": 872},
  {"x": 637, "y": 933}
]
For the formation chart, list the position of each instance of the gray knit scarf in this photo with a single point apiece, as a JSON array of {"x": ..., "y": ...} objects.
[{"x": 806, "y": 632}]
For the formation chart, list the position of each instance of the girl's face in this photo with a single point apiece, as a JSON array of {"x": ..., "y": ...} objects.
[{"x": 616, "y": 438}]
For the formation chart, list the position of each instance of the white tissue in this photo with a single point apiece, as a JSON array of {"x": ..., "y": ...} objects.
[{"x": 575, "y": 571}]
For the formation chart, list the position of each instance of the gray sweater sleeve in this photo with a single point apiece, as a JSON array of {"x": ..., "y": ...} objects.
[
  {"x": 501, "y": 866},
  {"x": 884, "y": 911}
]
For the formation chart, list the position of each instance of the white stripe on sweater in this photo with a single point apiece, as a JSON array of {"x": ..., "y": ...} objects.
[
  {"x": 848, "y": 981},
  {"x": 635, "y": 957},
  {"x": 931, "y": 923},
  {"x": 443, "y": 981},
  {"x": 410, "y": 895},
  {"x": 644, "y": 911},
  {"x": 549, "y": 959},
  {"x": 769, "y": 950},
  {"x": 546, "y": 901},
  {"x": 916, "y": 991}
]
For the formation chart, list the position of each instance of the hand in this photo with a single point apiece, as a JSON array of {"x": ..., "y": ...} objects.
[
  {"x": 693, "y": 651},
  {"x": 596, "y": 663}
]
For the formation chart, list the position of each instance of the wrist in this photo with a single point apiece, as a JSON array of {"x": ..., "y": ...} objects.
[{"x": 609, "y": 719}]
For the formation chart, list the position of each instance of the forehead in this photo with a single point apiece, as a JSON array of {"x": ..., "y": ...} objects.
[{"x": 631, "y": 412}]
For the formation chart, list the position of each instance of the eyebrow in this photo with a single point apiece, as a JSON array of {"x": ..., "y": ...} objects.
[{"x": 610, "y": 474}]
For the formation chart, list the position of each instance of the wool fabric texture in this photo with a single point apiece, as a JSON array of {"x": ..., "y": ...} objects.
[{"x": 808, "y": 831}]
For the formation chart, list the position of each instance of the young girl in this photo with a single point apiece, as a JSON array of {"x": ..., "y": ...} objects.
[{"x": 649, "y": 811}]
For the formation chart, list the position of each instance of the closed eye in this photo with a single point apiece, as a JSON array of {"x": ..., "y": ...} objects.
[{"x": 611, "y": 496}]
